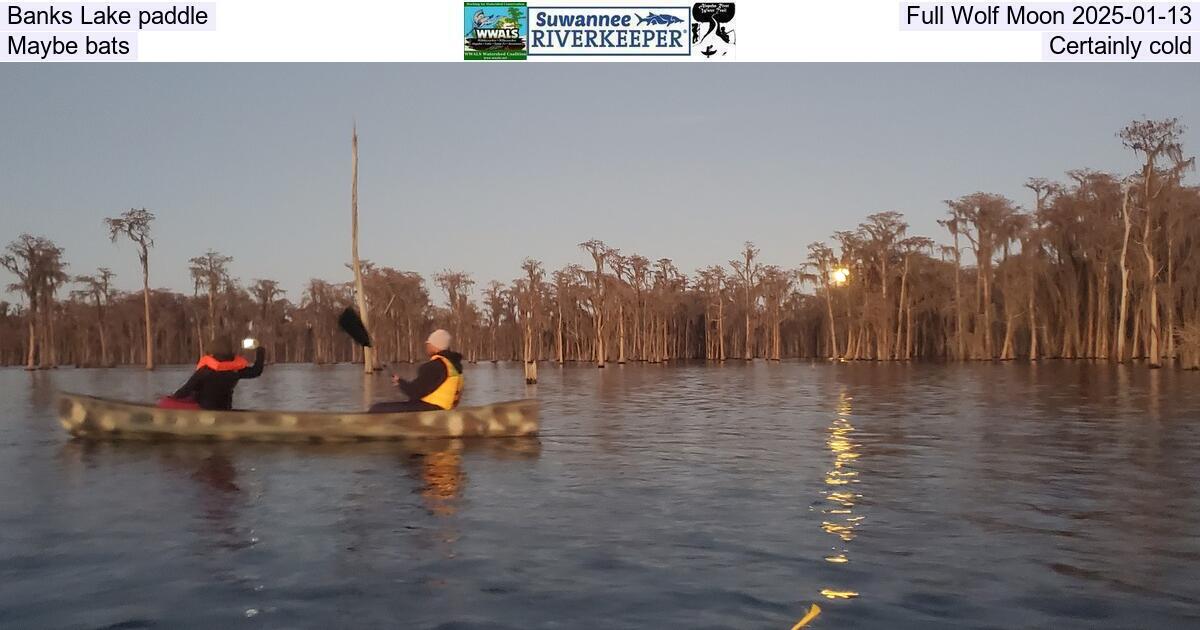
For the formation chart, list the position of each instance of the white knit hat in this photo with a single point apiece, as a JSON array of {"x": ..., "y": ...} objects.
[{"x": 439, "y": 339}]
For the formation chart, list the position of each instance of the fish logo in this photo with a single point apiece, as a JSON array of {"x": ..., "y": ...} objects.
[{"x": 657, "y": 19}]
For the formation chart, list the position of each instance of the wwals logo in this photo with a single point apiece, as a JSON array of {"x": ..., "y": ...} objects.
[{"x": 495, "y": 30}]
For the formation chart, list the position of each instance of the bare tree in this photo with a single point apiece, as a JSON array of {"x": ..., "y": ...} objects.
[
  {"x": 496, "y": 300},
  {"x": 457, "y": 285},
  {"x": 565, "y": 288},
  {"x": 621, "y": 284},
  {"x": 748, "y": 272},
  {"x": 776, "y": 285},
  {"x": 266, "y": 293},
  {"x": 1157, "y": 141},
  {"x": 711, "y": 283},
  {"x": 210, "y": 273},
  {"x": 37, "y": 263},
  {"x": 909, "y": 248},
  {"x": 821, "y": 262},
  {"x": 135, "y": 225},
  {"x": 953, "y": 225},
  {"x": 639, "y": 283},
  {"x": 359, "y": 294},
  {"x": 982, "y": 218},
  {"x": 529, "y": 293},
  {"x": 1042, "y": 190},
  {"x": 98, "y": 288},
  {"x": 600, "y": 254},
  {"x": 881, "y": 233}
]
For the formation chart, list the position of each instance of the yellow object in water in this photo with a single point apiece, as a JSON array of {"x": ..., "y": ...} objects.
[
  {"x": 812, "y": 613},
  {"x": 832, "y": 594}
]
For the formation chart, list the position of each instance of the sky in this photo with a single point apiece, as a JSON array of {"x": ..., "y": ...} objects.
[{"x": 475, "y": 166}]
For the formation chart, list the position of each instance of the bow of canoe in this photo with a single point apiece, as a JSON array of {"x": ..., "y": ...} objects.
[{"x": 92, "y": 417}]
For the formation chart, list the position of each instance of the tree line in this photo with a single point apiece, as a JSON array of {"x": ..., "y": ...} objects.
[{"x": 1101, "y": 266}]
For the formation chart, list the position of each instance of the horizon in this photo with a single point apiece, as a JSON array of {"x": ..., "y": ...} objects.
[{"x": 790, "y": 166}]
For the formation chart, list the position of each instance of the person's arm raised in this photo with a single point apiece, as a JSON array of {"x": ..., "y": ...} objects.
[{"x": 256, "y": 370}]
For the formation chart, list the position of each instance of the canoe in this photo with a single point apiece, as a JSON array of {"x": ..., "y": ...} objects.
[{"x": 91, "y": 417}]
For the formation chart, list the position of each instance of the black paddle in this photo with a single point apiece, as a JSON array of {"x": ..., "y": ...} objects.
[{"x": 350, "y": 322}]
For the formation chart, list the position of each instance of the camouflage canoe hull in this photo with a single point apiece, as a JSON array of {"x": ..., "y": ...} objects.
[{"x": 91, "y": 417}]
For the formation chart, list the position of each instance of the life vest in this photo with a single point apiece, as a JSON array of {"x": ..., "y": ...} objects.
[
  {"x": 211, "y": 362},
  {"x": 449, "y": 392}
]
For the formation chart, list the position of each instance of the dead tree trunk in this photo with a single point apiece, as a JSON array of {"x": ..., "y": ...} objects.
[{"x": 360, "y": 294}]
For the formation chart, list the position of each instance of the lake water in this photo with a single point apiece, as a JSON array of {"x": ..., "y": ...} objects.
[{"x": 1058, "y": 495}]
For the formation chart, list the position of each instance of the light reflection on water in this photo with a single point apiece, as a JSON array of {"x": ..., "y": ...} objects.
[
  {"x": 841, "y": 497},
  {"x": 735, "y": 496}
]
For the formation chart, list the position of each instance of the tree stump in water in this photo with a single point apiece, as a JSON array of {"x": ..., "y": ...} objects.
[{"x": 530, "y": 372}]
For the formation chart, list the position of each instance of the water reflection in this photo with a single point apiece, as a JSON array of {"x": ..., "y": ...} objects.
[
  {"x": 437, "y": 466},
  {"x": 217, "y": 472},
  {"x": 439, "y": 476},
  {"x": 840, "y": 520},
  {"x": 210, "y": 468}
]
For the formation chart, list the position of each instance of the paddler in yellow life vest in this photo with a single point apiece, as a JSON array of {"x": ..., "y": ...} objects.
[{"x": 439, "y": 381}]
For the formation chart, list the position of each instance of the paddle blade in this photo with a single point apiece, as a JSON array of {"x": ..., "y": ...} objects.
[{"x": 350, "y": 322}]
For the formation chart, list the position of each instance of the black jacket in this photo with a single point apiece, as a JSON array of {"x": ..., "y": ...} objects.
[
  {"x": 430, "y": 376},
  {"x": 214, "y": 390}
]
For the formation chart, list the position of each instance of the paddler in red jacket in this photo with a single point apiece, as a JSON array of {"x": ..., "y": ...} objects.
[{"x": 217, "y": 374}]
